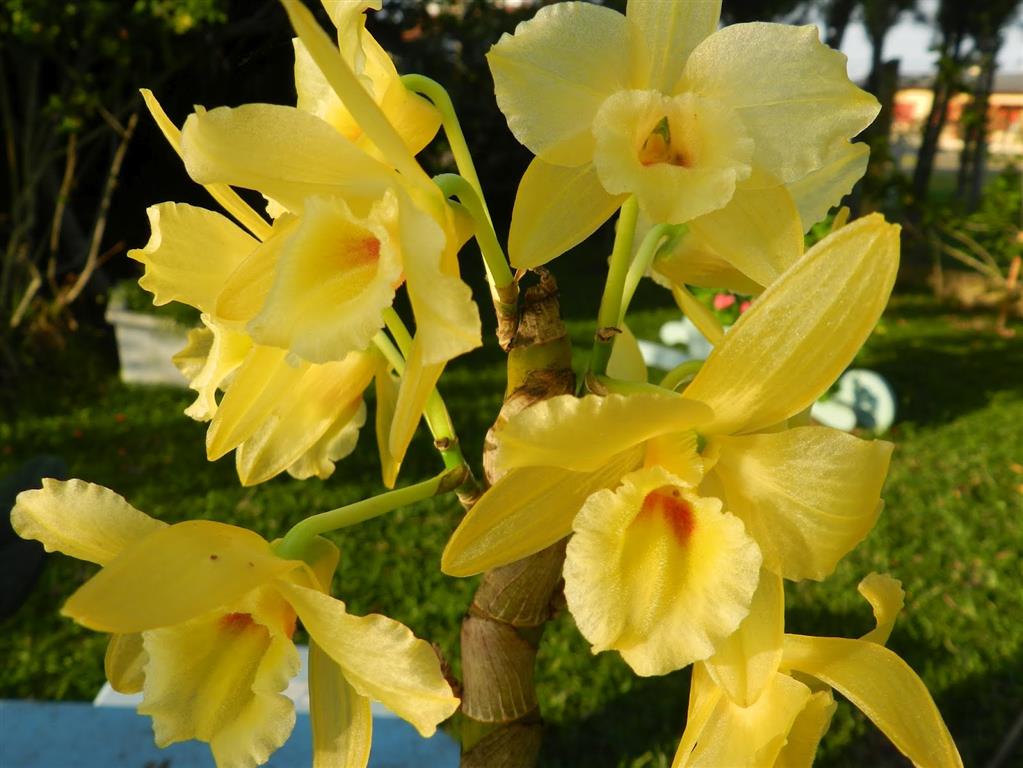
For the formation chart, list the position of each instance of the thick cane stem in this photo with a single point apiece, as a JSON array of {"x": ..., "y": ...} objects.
[{"x": 502, "y": 727}]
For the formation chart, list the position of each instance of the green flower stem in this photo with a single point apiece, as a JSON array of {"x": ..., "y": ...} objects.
[
  {"x": 609, "y": 315},
  {"x": 662, "y": 234},
  {"x": 681, "y": 374},
  {"x": 453, "y": 185},
  {"x": 436, "y": 93},
  {"x": 436, "y": 413},
  {"x": 296, "y": 541}
]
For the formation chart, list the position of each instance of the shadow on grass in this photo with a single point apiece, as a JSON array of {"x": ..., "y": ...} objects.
[{"x": 945, "y": 376}]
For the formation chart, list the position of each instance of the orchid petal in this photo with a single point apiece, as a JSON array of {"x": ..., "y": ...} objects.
[
  {"x": 342, "y": 722},
  {"x": 82, "y": 520}
]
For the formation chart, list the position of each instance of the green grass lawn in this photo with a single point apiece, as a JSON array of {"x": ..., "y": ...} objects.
[{"x": 952, "y": 531}]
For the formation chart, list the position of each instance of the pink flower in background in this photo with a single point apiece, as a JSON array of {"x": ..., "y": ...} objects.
[
  {"x": 744, "y": 306},
  {"x": 723, "y": 301}
]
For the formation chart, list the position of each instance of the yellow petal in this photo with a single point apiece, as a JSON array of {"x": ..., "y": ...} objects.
[
  {"x": 758, "y": 233},
  {"x": 386, "y": 387},
  {"x": 699, "y": 314},
  {"x": 818, "y": 192},
  {"x": 322, "y": 556},
  {"x": 282, "y": 152},
  {"x": 808, "y": 495},
  {"x": 747, "y": 660},
  {"x": 220, "y": 678},
  {"x": 551, "y": 76},
  {"x": 748, "y": 737},
  {"x": 212, "y": 354},
  {"x": 884, "y": 688},
  {"x": 124, "y": 663},
  {"x": 190, "y": 253},
  {"x": 308, "y": 421},
  {"x": 704, "y": 696},
  {"x": 527, "y": 510},
  {"x": 245, "y": 290},
  {"x": 627, "y": 363},
  {"x": 693, "y": 172},
  {"x": 583, "y": 433},
  {"x": 886, "y": 597},
  {"x": 658, "y": 573},
  {"x": 337, "y": 442},
  {"x": 556, "y": 208},
  {"x": 806, "y": 732},
  {"x": 447, "y": 320},
  {"x": 346, "y": 84},
  {"x": 258, "y": 386},
  {"x": 669, "y": 33},
  {"x": 417, "y": 382},
  {"x": 334, "y": 278},
  {"x": 692, "y": 262},
  {"x": 803, "y": 331},
  {"x": 790, "y": 91},
  {"x": 174, "y": 574},
  {"x": 341, "y": 719},
  {"x": 379, "y": 657},
  {"x": 223, "y": 194},
  {"x": 82, "y": 520},
  {"x": 416, "y": 119}
]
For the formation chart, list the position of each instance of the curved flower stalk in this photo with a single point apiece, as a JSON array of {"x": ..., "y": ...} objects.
[
  {"x": 676, "y": 501},
  {"x": 766, "y": 698},
  {"x": 659, "y": 105},
  {"x": 202, "y": 616}
]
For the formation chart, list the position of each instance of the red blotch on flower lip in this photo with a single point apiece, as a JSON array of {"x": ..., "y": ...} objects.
[
  {"x": 363, "y": 252},
  {"x": 236, "y": 621},
  {"x": 669, "y": 504}
]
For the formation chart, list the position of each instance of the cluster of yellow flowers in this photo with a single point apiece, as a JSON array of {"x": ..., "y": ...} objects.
[{"x": 686, "y": 504}]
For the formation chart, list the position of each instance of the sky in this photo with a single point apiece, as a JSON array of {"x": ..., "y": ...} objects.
[{"x": 911, "y": 41}]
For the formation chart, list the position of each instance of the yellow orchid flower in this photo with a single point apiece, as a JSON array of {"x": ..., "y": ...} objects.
[
  {"x": 279, "y": 414},
  {"x": 652, "y": 515},
  {"x": 658, "y": 104},
  {"x": 747, "y": 707},
  {"x": 413, "y": 117},
  {"x": 358, "y": 226},
  {"x": 202, "y": 615}
]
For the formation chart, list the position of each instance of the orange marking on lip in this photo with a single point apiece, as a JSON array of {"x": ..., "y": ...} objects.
[
  {"x": 236, "y": 622},
  {"x": 669, "y": 504},
  {"x": 362, "y": 252}
]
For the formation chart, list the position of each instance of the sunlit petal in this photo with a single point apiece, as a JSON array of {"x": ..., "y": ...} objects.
[
  {"x": 82, "y": 520},
  {"x": 551, "y": 76},
  {"x": 806, "y": 732},
  {"x": 556, "y": 208},
  {"x": 886, "y": 597},
  {"x": 341, "y": 719},
  {"x": 220, "y": 678},
  {"x": 803, "y": 331},
  {"x": 124, "y": 663},
  {"x": 583, "y": 433},
  {"x": 808, "y": 495},
  {"x": 174, "y": 574},
  {"x": 283, "y": 152},
  {"x": 190, "y": 253},
  {"x": 527, "y": 510},
  {"x": 747, "y": 660},
  {"x": 658, "y": 573},
  {"x": 669, "y": 33},
  {"x": 790, "y": 91},
  {"x": 820, "y": 191},
  {"x": 884, "y": 688},
  {"x": 379, "y": 657}
]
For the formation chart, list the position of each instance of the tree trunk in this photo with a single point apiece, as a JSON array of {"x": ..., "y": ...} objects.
[
  {"x": 501, "y": 722},
  {"x": 944, "y": 90},
  {"x": 837, "y": 19}
]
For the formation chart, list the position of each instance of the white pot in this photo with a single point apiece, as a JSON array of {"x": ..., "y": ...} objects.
[{"x": 145, "y": 345}]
